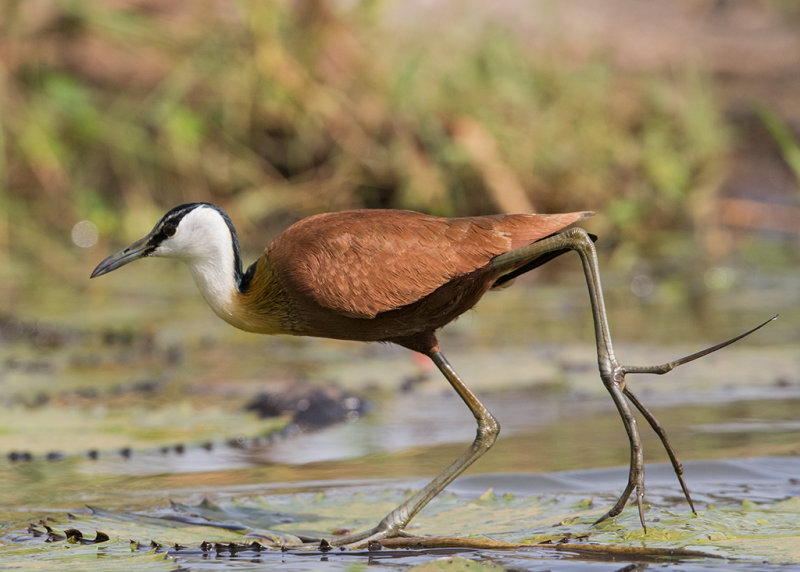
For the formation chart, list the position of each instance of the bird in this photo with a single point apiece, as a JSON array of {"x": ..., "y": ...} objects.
[{"x": 398, "y": 276}]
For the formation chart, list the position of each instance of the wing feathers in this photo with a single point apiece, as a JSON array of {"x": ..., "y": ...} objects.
[{"x": 361, "y": 263}]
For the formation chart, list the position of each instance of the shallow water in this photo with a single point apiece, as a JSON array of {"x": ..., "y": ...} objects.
[
  {"x": 348, "y": 475},
  {"x": 170, "y": 383},
  {"x": 748, "y": 514}
]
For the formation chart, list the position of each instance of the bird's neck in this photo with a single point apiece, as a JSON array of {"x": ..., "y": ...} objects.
[
  {"x": 261, "y": 303},
  {"x": 257, "y": 305},
  {"x": 254, "y": 301},
  {"x": 217, "y": 277}
]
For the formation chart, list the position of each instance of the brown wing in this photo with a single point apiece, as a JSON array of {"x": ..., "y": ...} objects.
[{"x": 360, "y": 263}]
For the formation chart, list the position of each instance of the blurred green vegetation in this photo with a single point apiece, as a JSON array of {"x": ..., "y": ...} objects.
[
  {"x": 114, "y": 111},
  {"x": 787, "y": 143}
]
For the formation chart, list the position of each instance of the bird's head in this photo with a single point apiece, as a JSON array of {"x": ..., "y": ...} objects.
[{"x": 189, "y": 232}]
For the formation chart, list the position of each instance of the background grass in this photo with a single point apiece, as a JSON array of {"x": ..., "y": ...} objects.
[{"x": 114, "y": 111}]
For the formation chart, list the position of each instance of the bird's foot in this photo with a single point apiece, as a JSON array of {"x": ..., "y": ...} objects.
[
  {"x": 365, "y": 540},
  {"x": 638, "y": 479},
  {"x": 614, "y": 379}
]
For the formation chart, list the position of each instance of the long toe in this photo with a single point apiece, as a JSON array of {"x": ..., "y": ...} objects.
[{"x": 362, "y": 540}]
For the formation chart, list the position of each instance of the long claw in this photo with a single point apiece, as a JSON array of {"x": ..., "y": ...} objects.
[
  {"x": 362, "y": 540},
  {"x": 618, "y": 506},
  {"x": 669, "y": 366},
  {"x": 639, "y": 505},
  {"x": 662, "y": 435}
]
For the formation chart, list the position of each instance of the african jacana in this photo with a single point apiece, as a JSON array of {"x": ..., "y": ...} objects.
[{"x": 393, "y": 276}]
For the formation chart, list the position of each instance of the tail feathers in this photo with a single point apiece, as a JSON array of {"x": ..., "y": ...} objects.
[{"x": 525, "y": 229}]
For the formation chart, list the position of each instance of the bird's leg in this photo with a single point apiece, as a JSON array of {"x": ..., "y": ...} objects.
[
  {"x": 611, "y": 371},
  {"x": 393, "y": 524}
]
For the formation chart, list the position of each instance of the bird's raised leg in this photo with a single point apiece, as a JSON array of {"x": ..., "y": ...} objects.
[
  {"x": 611, "y": 371},
  {"x": 394, "y": 523}
]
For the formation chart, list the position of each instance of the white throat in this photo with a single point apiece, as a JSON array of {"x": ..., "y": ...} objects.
[{"x": 203, "y": 241}]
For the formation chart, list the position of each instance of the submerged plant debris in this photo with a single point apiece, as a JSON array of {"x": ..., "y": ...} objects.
[{"x": 733, "y": 528}]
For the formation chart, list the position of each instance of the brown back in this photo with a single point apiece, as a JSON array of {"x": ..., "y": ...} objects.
[{"x": 364, "y": 262}]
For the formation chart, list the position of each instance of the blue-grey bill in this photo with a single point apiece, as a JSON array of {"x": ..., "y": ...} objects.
[{"x": 133, "y": 252}]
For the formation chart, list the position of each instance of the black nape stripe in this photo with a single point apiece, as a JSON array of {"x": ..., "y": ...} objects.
[
  {"x": 242, "y": 280},
  {"x": 246, "y": 278}
]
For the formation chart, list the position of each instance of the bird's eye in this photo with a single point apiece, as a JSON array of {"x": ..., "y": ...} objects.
[{"x": 169, "y": 228}]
